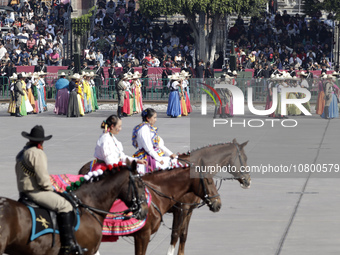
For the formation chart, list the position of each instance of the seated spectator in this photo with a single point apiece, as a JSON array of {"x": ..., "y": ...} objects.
[
  {"x": 15, "y": 58},
  {"x": 6, "y": 58},
  {"x": 34, "y": 60},
  {"x": 30, "y": 26},
  {"x": 101, "y": 43},
  {"x": 99, "y": 58},
  {"x": 30, "y": 42},
  {"x": 50, "y": 30},
  {"x": 23, "y": 37},
  {"x": 90, "y": 57},
  {"x": 174, "y": 40},
  {"x": 41, "y": 40},
  {"x": 3, "y": 51},
  {"x": 9, "y": 45},
  {"x": 54, "y": 58},
  {"x": 110, "y": 10}
]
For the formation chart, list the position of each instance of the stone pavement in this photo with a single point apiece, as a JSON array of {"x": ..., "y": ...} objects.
[{"x": 281, "y": 214}]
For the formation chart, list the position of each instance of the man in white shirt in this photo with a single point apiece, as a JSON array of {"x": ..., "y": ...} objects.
[{"x": 3, "y": 51}]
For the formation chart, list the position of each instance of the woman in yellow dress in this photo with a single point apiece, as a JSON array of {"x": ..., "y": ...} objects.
[
  {"x": 80, "y": 95},
  {"x": 137, "y": 92}
]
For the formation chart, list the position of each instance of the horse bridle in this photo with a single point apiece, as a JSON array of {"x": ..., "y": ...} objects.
[
  {"x": 135, "y": 208},
  {"x": 240, "y": 159},
  {"x": 207, "y": 198},
  {"x": 137, "y": 201}
]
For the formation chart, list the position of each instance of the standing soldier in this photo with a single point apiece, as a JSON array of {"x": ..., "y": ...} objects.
[{"x": 112, "y": 78}]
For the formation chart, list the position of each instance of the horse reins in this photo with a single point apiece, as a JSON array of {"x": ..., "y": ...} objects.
[{"x": 135, "y": 208}]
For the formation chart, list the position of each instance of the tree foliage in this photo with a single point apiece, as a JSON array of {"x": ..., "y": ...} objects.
[
  {"x": 191, "y": 7},
  {"x": 81, "y": 25},
  {"x": 213, "y": 10},
  {"x": 312, "y": 7}
]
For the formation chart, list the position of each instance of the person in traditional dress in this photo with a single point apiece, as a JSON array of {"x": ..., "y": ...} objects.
[
  {"x": 280, "y": 85},
  {"x": 30, "y": 92},
  {"x": 121, "y": 86},
  {"x": 93, "y": 91},
  {"x": 36, "y": 92},
  {"x": 331, "y": 109},
  {"x": 42, "y": 96},
  {"x": 12, "y": 102},
  {"x": 136, "y": 85},
  {"x": 320, "y": 103},
  {"x": 185, "y": 86},
  {"x": 19, "y": 93},
  {"x": 109, "y": 150},
  {"x": 150, "y": 146},
  {"x": 304, "y": 84},
  {"x": 269, "y": 101},
  {"x": 73, "y": 107},
  {"x": 87, "y": 93},
  {"x": 128, "y": 94},
  {"x": 174, "y": 103},
  {"x": 33, "y": 181},
  {"x": 62, "y": 95},
  {"x": 80, "y": 95},
  {"x": 292, "y": 109}
]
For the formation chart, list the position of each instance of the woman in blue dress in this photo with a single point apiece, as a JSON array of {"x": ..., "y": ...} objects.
[{"x": 174, "y": 103}]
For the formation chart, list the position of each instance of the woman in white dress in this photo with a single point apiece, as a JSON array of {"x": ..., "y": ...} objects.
[
  {"x": 150, "y": 145},
  {"x": 109, "y": 150}
]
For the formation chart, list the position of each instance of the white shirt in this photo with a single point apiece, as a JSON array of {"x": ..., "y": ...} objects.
[
  {"x": 175, "y": 85},
  {"x": 2, "y": 52},
  {"x": 144, "y": 140},
  {"x": 304, "y": 83},
  {"x": 185, "y": 84},
  {"x": 110, "y": 150}
]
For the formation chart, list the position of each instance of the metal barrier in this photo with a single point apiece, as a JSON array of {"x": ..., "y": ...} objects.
[
  {"x": 4, "y": 87},
  {"x": 156, "y": 89}
]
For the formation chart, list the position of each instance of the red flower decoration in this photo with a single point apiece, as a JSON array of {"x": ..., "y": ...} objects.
[
  {"x": 109, "y": 167},
  {"x": 103, "y": 168},
  {"x": 120, "y": 163},
  {"x": 115, "y": 165}
]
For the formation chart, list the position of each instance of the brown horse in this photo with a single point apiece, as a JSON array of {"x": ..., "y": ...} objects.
[
  {"x": 228, "y": 154},
  {"x": 167, "y": 188},
  {"x": 96, "y": 198}
]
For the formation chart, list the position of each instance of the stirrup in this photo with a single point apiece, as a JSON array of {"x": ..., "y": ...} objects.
[{"x": 72, "y": 250}]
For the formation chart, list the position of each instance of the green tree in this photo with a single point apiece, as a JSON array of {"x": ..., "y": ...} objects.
[
  {"x": 203, "y": 17},
  {"x": 313, "y": 6}
]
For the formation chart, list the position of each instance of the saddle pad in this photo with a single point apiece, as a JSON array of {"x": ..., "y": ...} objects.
[
  {"x": 61, "y": 181},
  {"x": 42, "y": 222},
  {"x": 114, "y": 226}
]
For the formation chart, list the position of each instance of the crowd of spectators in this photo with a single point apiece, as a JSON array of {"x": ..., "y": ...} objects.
[
  {"x": 285, "y": 42},
  {"x": 31, "y": 33},
  {"x": 122, "y": 34}
]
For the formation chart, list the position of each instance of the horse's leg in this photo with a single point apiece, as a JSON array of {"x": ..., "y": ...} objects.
[
  {"x": 177, "y": 221},
  {"x": 141, "y": 241},
  {"x": 184, "y": 232}
]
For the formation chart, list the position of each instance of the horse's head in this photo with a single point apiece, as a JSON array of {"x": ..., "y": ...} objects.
[
  {"x": 133, "y": 195},
  {"x": 205, "y": 188},
  {"x": 238, "y": 163}
]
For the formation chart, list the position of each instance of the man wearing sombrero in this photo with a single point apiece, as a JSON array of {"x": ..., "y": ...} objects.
[{"x": 33, "y": 181}]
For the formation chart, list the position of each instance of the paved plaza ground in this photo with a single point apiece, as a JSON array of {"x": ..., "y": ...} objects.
[{"x": 281, "y": 214}]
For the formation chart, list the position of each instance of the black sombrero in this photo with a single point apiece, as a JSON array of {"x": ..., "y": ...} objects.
[{"x": 37, "y": 134}]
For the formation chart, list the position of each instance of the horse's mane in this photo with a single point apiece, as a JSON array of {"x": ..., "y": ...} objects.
[
  {"x": 207, "y": 146},
  {"x": 170, "y": 172},
  {"x": 98, "y": 178}
]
